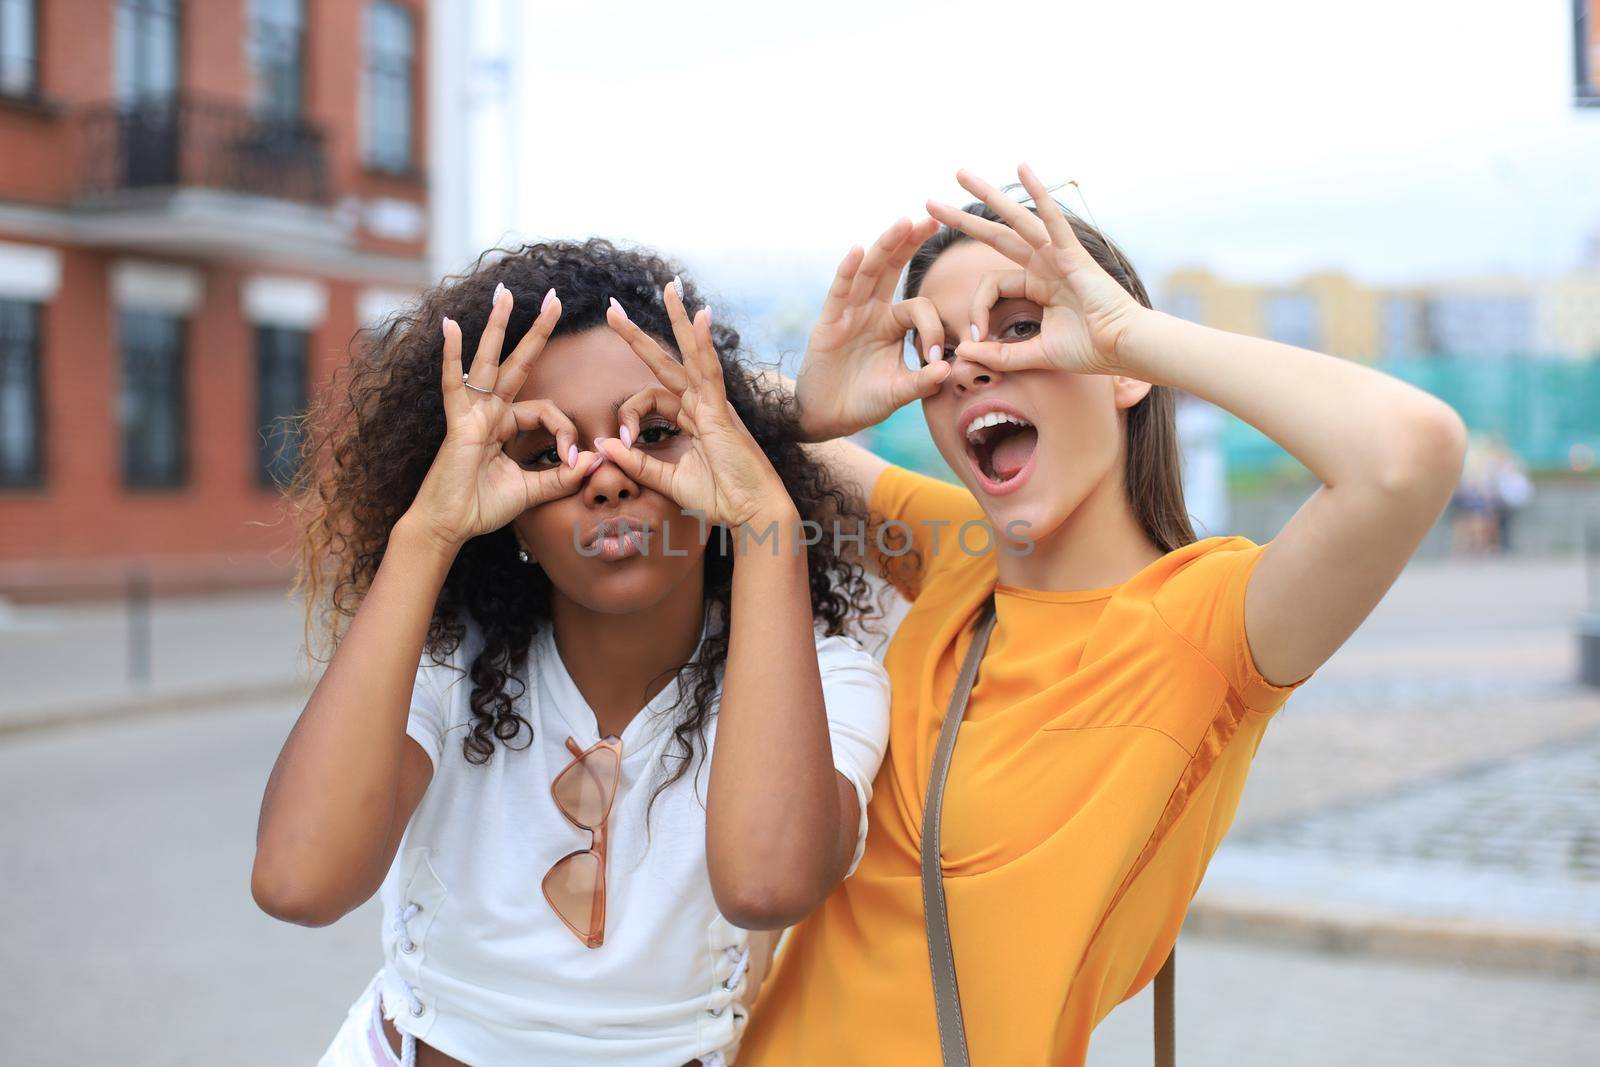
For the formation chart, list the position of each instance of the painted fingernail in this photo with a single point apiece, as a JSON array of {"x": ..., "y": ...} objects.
[
  {"x": 599, "y": 461},
  {"x": 549, "y": 298},
  {"x": 499, "y": 287},
  {"x": 935, "y": 353},
  {"x": 627, "y": 437},
  {"x": 598, "y": 441},
  {"x": 447, "y": 321},
  {"x": 677, "y": 286},
  {"x": 622, "y": 310},
  {"x": 975, "y": 335},
  {"x": 572, "y": 455}
]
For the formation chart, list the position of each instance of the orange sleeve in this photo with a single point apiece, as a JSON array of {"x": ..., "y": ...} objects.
[
  {"x": 1204, "y": 604},
  {"x": 915, "y": 523}
]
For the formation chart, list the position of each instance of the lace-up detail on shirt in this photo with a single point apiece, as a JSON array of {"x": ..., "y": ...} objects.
[
  {"x": 741, "y": 964},
  {"x": 404, "y": 913}
]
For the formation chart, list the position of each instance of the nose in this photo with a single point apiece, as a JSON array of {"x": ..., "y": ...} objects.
[
  {"x": 967, "y": 375},
  {"x": 609, "y": 485}
]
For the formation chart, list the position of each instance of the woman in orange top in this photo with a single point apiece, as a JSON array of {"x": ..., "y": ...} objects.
[{"x": 1132, "y": 668}]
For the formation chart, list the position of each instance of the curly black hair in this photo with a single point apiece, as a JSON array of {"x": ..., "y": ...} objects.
[{"x": 373, "y": 433}]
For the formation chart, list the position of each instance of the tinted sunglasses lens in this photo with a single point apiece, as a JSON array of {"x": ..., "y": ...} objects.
[
  {"x": 571, "y": 886},
  {"x": 585, "y": 788}
]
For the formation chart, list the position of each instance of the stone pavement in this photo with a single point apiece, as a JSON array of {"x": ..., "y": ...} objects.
[
  {"x": 1435, "y": 789},
  {"x": 1248, "y": 1005}
]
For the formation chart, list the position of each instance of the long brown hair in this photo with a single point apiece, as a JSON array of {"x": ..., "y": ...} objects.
[{"x": 1154, "y": 472}]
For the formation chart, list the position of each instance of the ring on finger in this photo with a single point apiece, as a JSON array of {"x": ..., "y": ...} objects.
[{"x": 476, "y": 388}]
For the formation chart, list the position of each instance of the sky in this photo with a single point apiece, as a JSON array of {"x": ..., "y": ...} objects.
[{"x": 1398, "y": 140}]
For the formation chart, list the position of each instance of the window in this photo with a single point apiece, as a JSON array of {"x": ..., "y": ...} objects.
[
  {"x": 277, "y": 56},
  {"x": 19, "y": 48},
  {"x": 1294, "y": 319},
  {"x": 152, "y": 400},
  {"x": 20, "y": 417},
  {"x": 386, "y": 88},
  {"x": 147, "y": 51},
  {"x": 280, "y": 398}
]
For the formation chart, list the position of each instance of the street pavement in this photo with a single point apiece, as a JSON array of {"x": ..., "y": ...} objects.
[{"x": 1442, "y": 766}]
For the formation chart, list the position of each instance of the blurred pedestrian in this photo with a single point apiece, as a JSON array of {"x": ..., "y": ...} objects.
[
  {"x": 1472, "y": 507},
  {"x": 1511, "y": 490}
]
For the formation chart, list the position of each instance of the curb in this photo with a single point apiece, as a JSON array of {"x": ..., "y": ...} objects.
[
  {"x": 1555, "y": 951},
  {"x": 45, "y": 719}
]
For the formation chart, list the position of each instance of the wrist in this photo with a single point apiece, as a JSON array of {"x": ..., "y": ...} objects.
[
  {"x": 770, "y": 528},
  {"x": 416, "y": 535},
  {"x": 1125, "y": 355},
  {"x": 778, "y": 511}
]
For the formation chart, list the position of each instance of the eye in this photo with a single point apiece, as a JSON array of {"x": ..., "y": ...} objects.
[
  {"x": 537, "y": 459},
  {"x": 657, "y": 432},
  {"x": 1020, "y": 330}
]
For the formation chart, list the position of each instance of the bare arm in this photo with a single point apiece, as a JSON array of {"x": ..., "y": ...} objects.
[
  {"x": 781, "y": 822},
  {"x": 348, "y": 779}
]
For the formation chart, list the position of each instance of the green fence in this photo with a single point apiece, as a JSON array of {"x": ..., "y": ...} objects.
[{"x": 1544, "y": 409}]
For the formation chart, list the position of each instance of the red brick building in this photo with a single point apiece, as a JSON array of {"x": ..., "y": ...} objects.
[{"x": 200, "y": 203}]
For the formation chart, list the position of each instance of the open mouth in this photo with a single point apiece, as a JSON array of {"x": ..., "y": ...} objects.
[{"x": 1001, "y": 446}]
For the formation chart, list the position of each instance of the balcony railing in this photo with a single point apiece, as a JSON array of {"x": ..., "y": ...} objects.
[{"x": 185, "y": 142}]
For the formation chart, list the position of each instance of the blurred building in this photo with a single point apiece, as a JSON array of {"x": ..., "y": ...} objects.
[
  {"x": 201, "y": 201},
  {"x": 1333, "y": 313},
  {"x": 1586, "y": 52}
]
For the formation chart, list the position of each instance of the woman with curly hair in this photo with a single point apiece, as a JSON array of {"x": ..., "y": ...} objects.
[{"x": 539, "y": 645}]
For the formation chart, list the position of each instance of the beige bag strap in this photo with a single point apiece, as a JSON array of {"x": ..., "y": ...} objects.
[{"x": 941, "y": 955}]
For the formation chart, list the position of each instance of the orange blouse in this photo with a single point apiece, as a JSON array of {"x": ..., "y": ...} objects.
[{"x": 1100, "y": 763}]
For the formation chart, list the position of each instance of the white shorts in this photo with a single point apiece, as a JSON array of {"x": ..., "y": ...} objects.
[{"x": 360, "y": 1042}]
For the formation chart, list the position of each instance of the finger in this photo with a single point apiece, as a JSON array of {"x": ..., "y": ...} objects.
[
  {"x": 641, "y": 467},
  {"x": 557, "y": 482},
  {"x": 1062, "y": 235},
  {"x": 876, "y": 261},
  {"x": 890, "y": 278},
  {"x": 837, "y": 300},
  {"x": 919, "y": 384},
  {"x": 455, "y": 394},
  {"x": 682, "y": 329},
  {"x": 1005, "y": 356},
  {"x": 486, "y": 361},
  {"x": 1020, "y": 219},
  {"x": 666, "y": 369},
  {"x": 542, "y": 414},
  {"x": 993, "y": 287},
  {"x": 708, "y": 363},
  {"x": 652, "y": 400},
  {"x": 515, "y": 370},
  {"x": 1002, "y": 239},
  {"x": 920, "y": 316}
]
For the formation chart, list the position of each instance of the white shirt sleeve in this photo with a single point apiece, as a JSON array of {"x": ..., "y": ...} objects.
[
  {"x": 429, "y": 717},
  {"x": 855, "y": 692}
]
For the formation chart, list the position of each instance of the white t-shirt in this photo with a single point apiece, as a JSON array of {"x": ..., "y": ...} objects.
[{"x": 478, "y": 965}]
